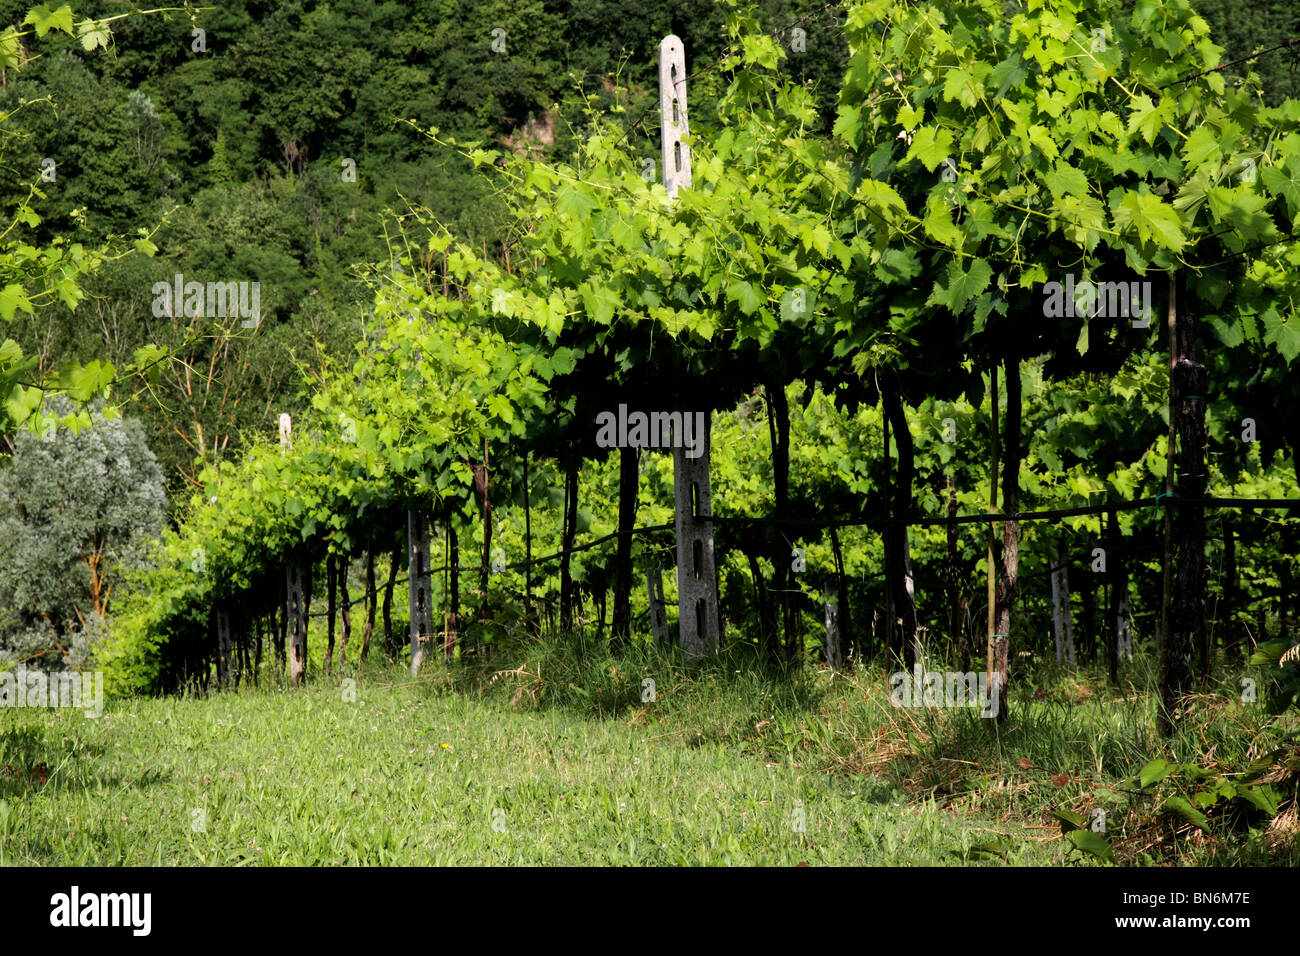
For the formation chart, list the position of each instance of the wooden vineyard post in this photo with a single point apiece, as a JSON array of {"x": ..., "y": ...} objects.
[
  {"x": 223, "y": 646},
  {"x": 993, "y": 509},
  {"x": 486, "y": 563},
  {"x": 1124, "y": 630},
  {"x": 697, "y": 578},
  {"x": 331, "y": 581},
  {"x": 1184, "y": 630},
  {"x": 1230, "y": 592},
  {"x": 528, "y": 552},
  {"x": 1068, "y": 616},
  {"x": 1118, "y": 637},
  {"x": 345, "y": 607},
  {"x": 296, "y": 617},
  {"x": 280, "y": 632},
  {"x": 1057, "y": 627},
  {"x": 451, "y": 591},
  {"x": 654, "y": 583},
  {"x": 420, "y": 602},
  {"x": 1166, "y": 592}
]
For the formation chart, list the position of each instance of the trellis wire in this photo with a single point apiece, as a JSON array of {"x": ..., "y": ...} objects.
[{"x": 1156, "y": 501}]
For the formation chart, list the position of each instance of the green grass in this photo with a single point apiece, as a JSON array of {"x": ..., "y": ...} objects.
[{"x": 557, "y": 747}]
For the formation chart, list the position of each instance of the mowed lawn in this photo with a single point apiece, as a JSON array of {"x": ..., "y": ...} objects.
[{"x": 416, "y": 772}]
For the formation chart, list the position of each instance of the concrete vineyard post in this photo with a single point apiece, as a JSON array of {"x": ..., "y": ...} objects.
[
  {"x": 420, "y": 601},
  {"x": 296, "y": 617},
  {"x": 672, "y": 110},
  {"x": 697, "y": 580}
]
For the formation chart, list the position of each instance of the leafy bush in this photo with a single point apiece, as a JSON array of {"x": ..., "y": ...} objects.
[{"x": 75, "y": 509}]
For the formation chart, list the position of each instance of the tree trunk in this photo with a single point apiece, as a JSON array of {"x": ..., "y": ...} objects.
[
  {"x": 1187, "y": 608},
  {"x": 1009, "y": 565},
  {"x": 897, "y": 562},
  {"x": 570, "y": 532},
  {"x": 628, "y": 482}
]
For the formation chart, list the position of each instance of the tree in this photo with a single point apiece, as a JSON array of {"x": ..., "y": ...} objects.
[{"x": 75, "y": 509}]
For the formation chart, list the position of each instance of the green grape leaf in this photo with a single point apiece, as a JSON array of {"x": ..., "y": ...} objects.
[
  {"x": 931, "y": 145},
  {"x": 1094, "y": 844}
]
